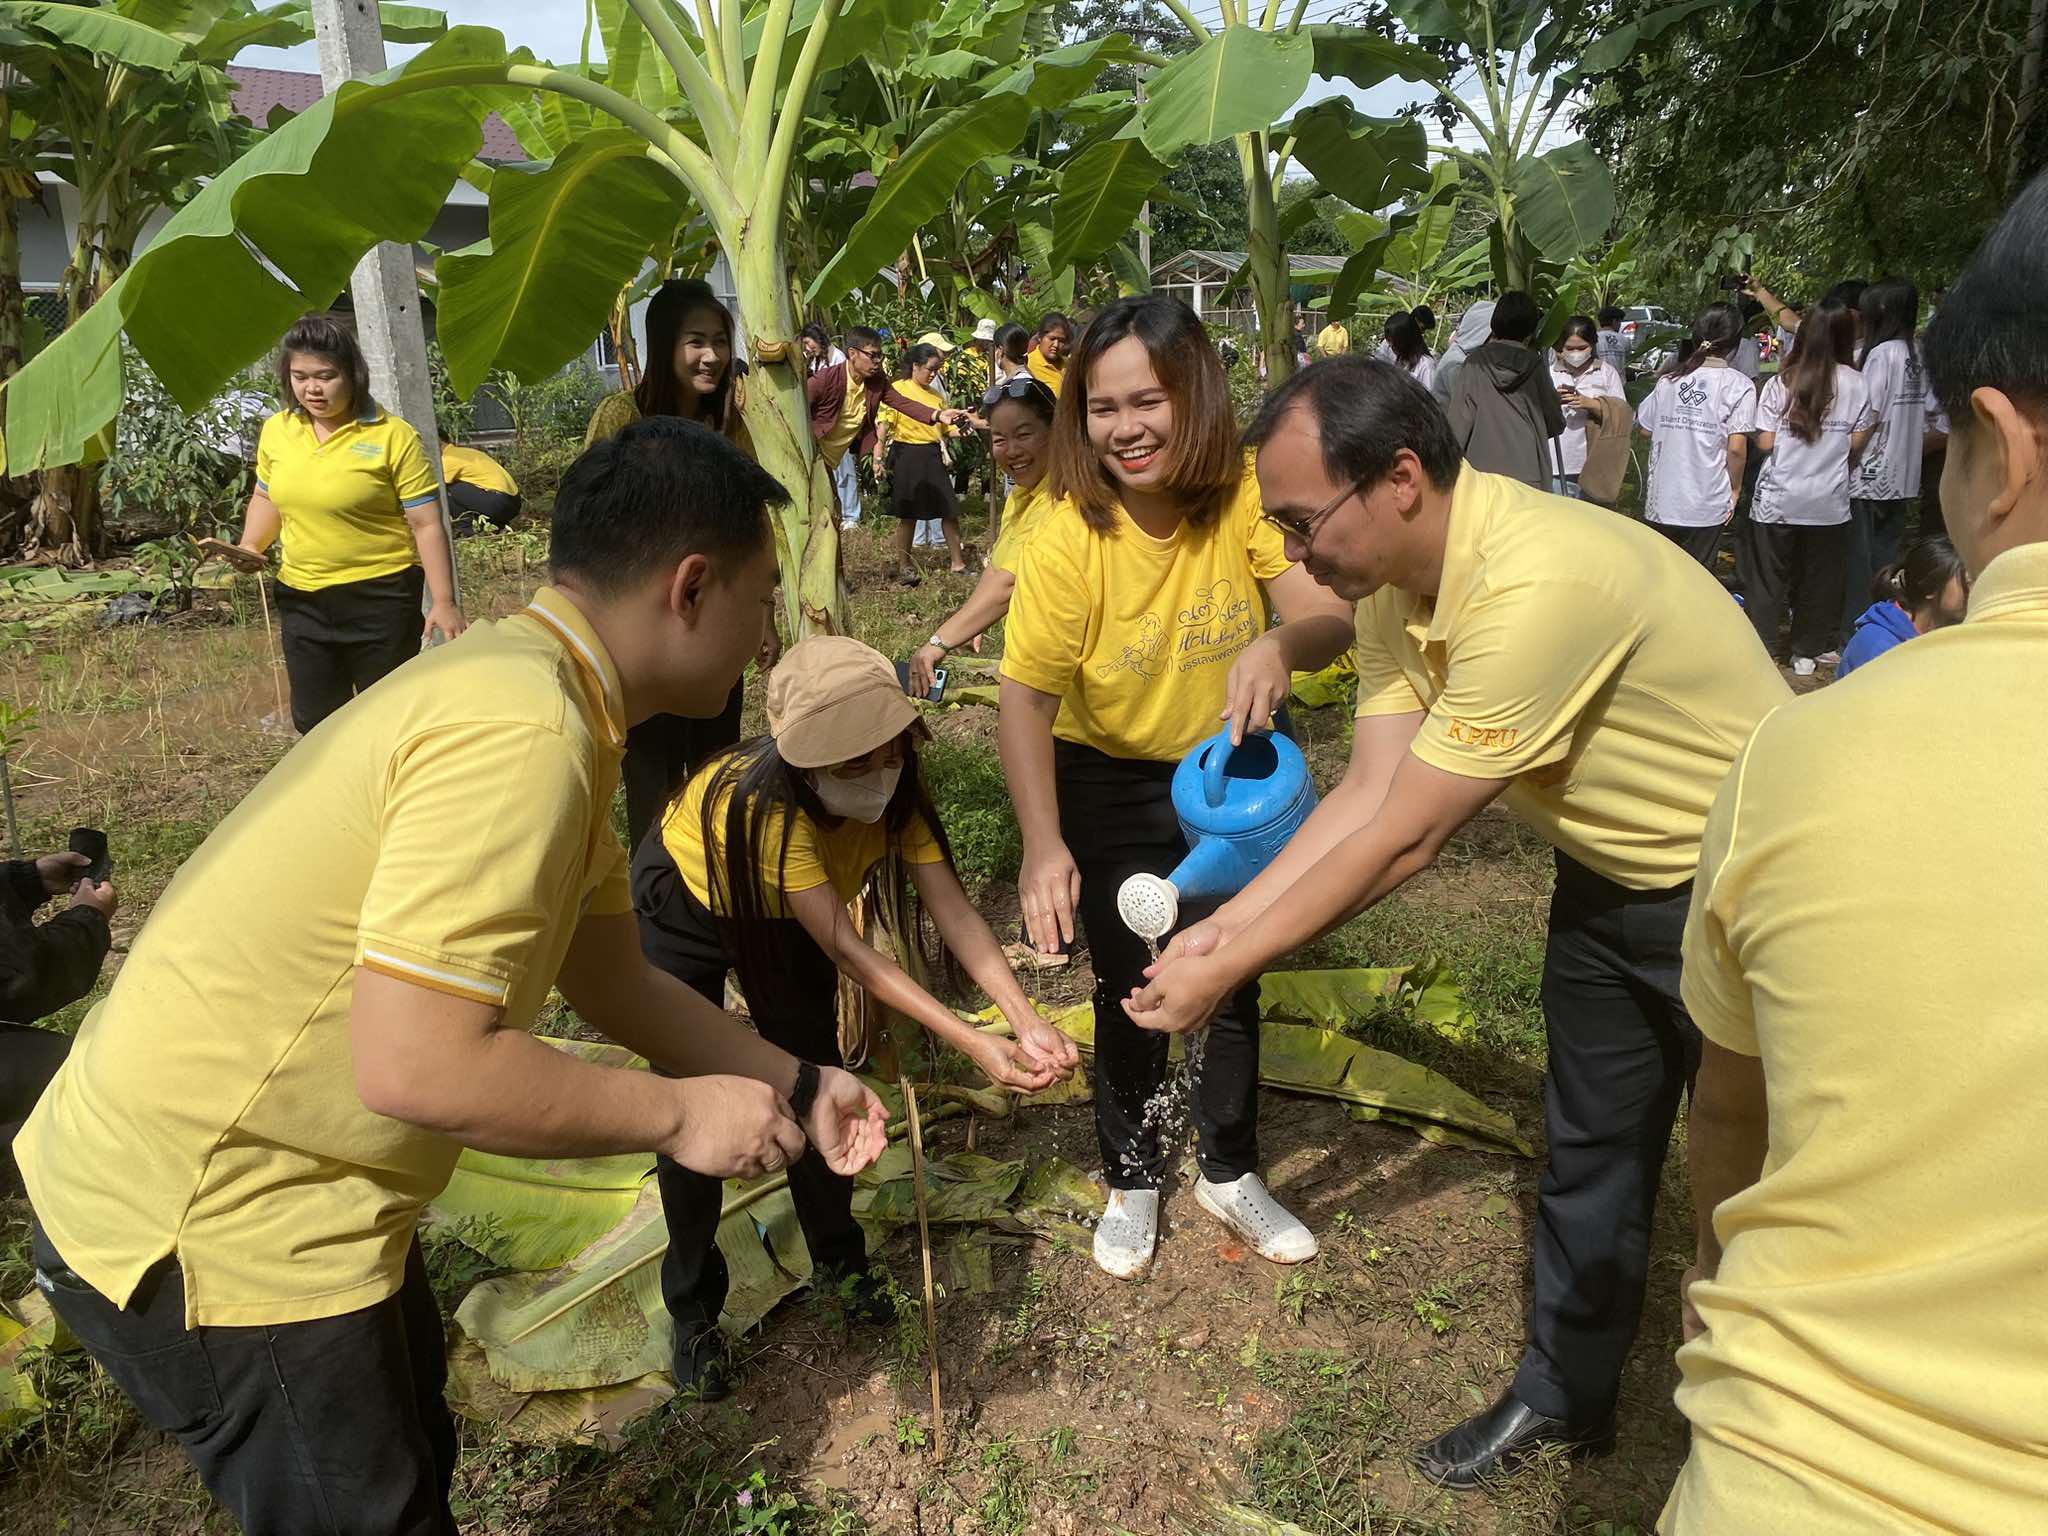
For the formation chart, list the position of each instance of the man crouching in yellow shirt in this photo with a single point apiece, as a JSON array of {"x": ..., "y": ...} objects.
[
  {"x": 1579, "y": 668},
  {"x": 1868, "y": 959},
  {"x": 334, "y": 995}
]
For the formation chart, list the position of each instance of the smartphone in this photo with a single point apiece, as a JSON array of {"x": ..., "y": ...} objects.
[
  {"x": 92, "y": 842},
  {"x": 938, "y": 693},
  {"x": 1734, "y": 282}
]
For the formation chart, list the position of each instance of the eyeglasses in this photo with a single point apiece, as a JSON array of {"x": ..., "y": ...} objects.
[
  {"x": 1303, "y": 531},
  {"x": 872, "y": 354},
  {"x": 1021, "y": 387}
]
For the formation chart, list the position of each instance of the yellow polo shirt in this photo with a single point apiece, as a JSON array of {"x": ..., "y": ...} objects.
[
  {"x": 1025, "y": 509},
  {"x": 1585, "y": 658},
  {"x": 900, "y": 428},
  {"x": 341, "y": 504},
  {"x": 451, "y": 830},
  {"x": 1867, "y": 920},
  {"x": 1052, "y": 375},
  {"x": 841, "y": 856},
  {"x": 1135, "y": 635},
  {"x": 853, "y": 410},
  {"x": 476, "y": 467}
]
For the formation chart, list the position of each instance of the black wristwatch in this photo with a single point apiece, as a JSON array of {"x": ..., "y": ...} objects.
[{"x": 805, "y": 1093}]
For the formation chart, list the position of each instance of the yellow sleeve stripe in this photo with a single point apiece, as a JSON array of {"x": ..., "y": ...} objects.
[{"x": 441, "y": 981}]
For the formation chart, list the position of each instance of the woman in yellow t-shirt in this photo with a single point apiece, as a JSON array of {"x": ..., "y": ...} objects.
[
  {"x": 756, "y": 862},
  {"x": 920, "y": 486},
  {"x": 1018, "y": 414},
  {"x": 1137, "y": 628},
  {"x": 1047, "y": 358},
  {"x": 689, "y": 374},
  {"x": 349, "y": 491}
]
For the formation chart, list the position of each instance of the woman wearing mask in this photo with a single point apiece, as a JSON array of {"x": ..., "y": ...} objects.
[
  {"x": 756, "y": 863},
  {"x": 349, "y": 491},
  {"x": 1812, "y": 423},
  {"x": 1888, "y": 478},
  {"x": 1137, "y": 627},
  {"x": 1019, "y": 414},
  {"x": 1586, "y": 386},
  {"x": 689, "y": 374},
  {"x": 1699, "y": 418},
  {"x": 920, "y": 485},
  {"x": 1925, "y": 591},
  {"x": 1408, "y": 351}
]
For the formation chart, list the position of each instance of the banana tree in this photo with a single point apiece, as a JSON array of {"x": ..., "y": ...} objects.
[{"x": 689, "y": 116}]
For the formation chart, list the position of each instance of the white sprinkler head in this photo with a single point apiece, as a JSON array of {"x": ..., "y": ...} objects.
[{"x": 1149, "y": 906}]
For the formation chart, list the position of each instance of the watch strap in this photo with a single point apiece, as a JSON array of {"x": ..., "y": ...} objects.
[{"x": 805, "y": 1093}]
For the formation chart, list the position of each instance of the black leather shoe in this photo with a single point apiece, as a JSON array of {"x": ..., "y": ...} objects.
[
  {"x": 702, "y": 1367},
  {"x": 1493, "y": 1444}
]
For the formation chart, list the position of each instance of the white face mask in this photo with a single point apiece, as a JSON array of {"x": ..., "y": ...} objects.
[
  {"x": 860, "y": 799},
  {"x": 1576, "y": 357}
]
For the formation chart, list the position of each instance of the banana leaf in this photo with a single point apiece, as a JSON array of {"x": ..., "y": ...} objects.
[
  {"x": 1333, "y": 999},
  {"x": 1335, "y": 684},
  {"x": 531, "y": 1214},
  {"x": 20, "y": 1403}
]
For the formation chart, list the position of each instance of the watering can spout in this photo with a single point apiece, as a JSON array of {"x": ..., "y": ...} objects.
[{"x": 1214, "y": 867}]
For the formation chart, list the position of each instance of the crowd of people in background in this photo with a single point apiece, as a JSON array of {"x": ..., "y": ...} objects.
[{"x": 295, "y": 1048}]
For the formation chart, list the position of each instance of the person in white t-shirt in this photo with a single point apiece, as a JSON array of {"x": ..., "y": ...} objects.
[
  {"x": 1585, "y": 383},
  {"x": 1887, "y": 481},
  {"x": 1406, "y": 350},
  {"x": 1812, "y": 424},
  {"x": 1699, "y": 418},
  {"x": 1609, "y": 343}
]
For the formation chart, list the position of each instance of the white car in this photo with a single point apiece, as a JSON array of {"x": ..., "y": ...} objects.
[{"x": 1648, "y": 333}]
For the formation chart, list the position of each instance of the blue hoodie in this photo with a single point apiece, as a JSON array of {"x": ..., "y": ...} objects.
[{"x": 1880, "y": 627}]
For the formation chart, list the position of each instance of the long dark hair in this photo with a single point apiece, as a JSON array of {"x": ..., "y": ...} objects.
[
  {"x": 1014, "y": 342},
  {"x": 660, "y": 392},
  {"x": 761, "y": 795},
  {"x": 1203, "y": 466},
  {"x": 1825, "y": 341},
  {"x": 1404, "y": 339},
  {"x": 1716, "y": 333},
  {"x": 1891, "y": 311},
  {"x": 324, "y": 336},
  {"x": 1921, "y": 576},
  {"x": 1581, "y": 326}
]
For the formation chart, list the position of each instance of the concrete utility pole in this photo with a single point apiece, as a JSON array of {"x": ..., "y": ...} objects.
[
  {"x": 386, "y": 289},
  {"x": 1145, "y": 212}
]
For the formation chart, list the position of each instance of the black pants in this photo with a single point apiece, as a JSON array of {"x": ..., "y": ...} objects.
[
  {"x": 339, "y": 640},
  {"x": 471, "y": 508},
  {"x": 329, "y": 1428},
  {"x": 29, "y": 1058},
  {"x": 1787, "y": 565},
  {"x": 1875, "y": 528},
  {"x": 1117, "y": 818},
  {"x": 680, "y": 936},
  {"x": 1701, "y": 543},
  {"x": 664, "y": 750},
  {"x": 1622, "y": 1052}
]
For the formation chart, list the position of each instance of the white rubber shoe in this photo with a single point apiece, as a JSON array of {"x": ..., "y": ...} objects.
[
  {"x": 1248, "y": 1208},
  {"x": 1128, "y": 1233}
]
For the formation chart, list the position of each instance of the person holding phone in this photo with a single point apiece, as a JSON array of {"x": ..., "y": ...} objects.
[
  {"x": 1137, "y": 627},
  {"x": 348, "y": 491},
  {"x": 756, "y": 864},
  {"x": 1585, "y": 385},
  {"x": 920, "y": 486}
]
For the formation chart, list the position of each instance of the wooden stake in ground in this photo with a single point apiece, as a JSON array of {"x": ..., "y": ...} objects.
[
  {"x": 924, "y": 1238},
  {"x": 270, "y": 650}
]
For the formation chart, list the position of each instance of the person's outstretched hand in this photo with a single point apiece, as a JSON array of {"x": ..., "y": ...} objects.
[
  {"x": 1046, "y": 1046},
  {"x": 1008, "y": 1064},
  {"x": 101, "y": 898},
  {"x": 734, "y": 1128},
  {"x": 847, "y": 1123},
  {"x": 1182, "y": 995},
  {"x": 60, "y": 872}
]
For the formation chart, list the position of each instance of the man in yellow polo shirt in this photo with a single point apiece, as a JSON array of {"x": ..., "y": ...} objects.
[
  {"x": 1868, "y": 1318},
  {"x": 1511, "y": 645},
  {"x": 481, "y": 491},
  {"x": 334, "y": 996}
]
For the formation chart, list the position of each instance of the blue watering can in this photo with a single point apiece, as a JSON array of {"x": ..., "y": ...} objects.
[{"x": 1237, "y": 806}]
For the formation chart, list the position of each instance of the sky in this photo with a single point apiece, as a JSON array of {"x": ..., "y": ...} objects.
[{"x": 553, "y": 29}]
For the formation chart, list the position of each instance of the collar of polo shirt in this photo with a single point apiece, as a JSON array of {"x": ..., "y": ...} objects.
[
  {"x": 2014, "y": 582},
  {"x": 566, "y": 620}
]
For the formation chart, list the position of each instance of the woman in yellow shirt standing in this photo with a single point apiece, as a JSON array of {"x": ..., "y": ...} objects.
[
  {"x": 1137, "y": 628},
  {"x": 753, "y": 870},
  {"x": 347, "y": 489},
  {"x": 920, "y": 486},
  {"x": 1019, "y": 415},
  {"x": 1047, "y": 359},
  {"x": 689, "y": 374}
]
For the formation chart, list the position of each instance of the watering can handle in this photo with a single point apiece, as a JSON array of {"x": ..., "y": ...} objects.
[{"x": 1215, "y": 758}]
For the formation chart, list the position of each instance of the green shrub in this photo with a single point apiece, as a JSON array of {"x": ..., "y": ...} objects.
[{"x": 966, "y": 782}]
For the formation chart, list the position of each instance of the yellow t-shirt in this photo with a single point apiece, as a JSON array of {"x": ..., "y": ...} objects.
[
  {"x": 842, "y": 856},
  {"x": 1582, "y": 656},
  {"x": 853, "y": 410},
  {"x": 341, "y": 504},
  {"x": 1867, "y": 920},
  {"x": 476, "y": 467},
  {"x": 1050, "y": 374},
  {"x": 900, "y": 428},
  {"x": 1333, "y": 341},
  {"x": 449, "y": 827},
  {"x": 1022, "y": 513},
  {"x": 1135, "y": 634}
]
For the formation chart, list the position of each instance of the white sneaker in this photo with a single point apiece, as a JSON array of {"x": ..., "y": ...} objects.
[
  {"x": 1802, "y": 666},
  {"x": 1128, "y": 1233},
  {"x": 1248, "y": 1208},
  {"x": 1829, "y": 658}
]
